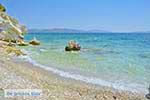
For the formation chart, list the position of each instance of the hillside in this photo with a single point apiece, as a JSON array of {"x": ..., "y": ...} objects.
[{"x": 10, "y": 28}]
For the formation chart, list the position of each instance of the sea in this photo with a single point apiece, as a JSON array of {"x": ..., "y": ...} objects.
[{"x": 117, "y": 60}]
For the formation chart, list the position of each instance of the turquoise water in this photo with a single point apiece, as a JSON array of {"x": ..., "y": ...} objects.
[{"x": 116, "y": 58}]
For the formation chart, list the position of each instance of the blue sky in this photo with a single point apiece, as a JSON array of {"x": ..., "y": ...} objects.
[{"x": 110, "y": 15}]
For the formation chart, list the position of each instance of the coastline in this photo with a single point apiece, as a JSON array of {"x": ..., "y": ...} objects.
[{"x": 24, "y": 75}]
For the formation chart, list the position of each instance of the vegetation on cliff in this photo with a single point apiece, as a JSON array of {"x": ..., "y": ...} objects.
[{"x": 2, "y": 8}]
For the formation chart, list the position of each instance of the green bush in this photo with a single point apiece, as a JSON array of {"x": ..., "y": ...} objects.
[{"x": 2, "y": 8}]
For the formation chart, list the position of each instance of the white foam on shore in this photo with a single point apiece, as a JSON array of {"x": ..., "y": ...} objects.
[{"x": 92, "y": 80}]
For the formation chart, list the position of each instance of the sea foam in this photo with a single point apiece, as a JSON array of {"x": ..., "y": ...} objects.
[{"x": 92, "y": 80}]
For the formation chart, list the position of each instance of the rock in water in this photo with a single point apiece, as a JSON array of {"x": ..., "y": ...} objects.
[
  {"x": 72, "y": 46},
  {"x": 67, "y": 48},
  {"x": 34, "y": 42}
]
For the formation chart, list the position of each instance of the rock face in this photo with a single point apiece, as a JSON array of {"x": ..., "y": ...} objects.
[{"x": 10, "y": 28}]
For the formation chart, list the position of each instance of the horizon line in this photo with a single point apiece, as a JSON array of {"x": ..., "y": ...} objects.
[{"x": 90, "y": 30}]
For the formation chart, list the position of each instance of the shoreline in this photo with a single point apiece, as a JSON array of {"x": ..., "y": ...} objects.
[
  {"x": 60, "y": 88},
  {"x": 84, "y": 79}
]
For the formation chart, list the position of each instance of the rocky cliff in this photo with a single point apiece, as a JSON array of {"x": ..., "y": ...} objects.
[{"x": 10, "y": 28}]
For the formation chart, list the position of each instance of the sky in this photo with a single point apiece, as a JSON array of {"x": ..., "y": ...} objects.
[{"x": 109, "y": 15}]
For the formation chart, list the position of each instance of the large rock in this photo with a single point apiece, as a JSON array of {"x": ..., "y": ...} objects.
[{"x": 10, "y": 28}]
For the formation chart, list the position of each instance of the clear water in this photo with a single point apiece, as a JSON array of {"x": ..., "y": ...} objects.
[{"x": 120, "y": 58}]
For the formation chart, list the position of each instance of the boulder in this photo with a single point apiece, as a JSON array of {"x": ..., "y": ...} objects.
[
  {"x": 34, "y": 42},
  {"x": 22, "y": 44},
  {"x": 72, "y": 46},
  {"x": 67, "y": 48}
]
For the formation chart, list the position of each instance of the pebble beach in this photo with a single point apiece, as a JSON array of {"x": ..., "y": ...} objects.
[{"x": 23, "y": 75}]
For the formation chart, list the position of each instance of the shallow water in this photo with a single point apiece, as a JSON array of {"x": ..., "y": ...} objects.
[{"x": 117, "y": 58}]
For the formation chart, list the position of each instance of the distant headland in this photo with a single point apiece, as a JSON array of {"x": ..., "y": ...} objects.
[
  {"x": 65, "y": 30},
  {"x": 68, "y": 30}
]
